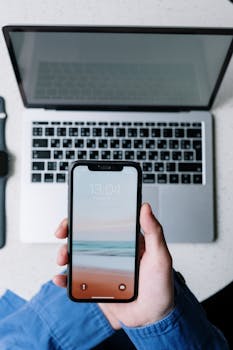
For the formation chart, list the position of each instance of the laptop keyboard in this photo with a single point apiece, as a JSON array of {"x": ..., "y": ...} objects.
[{"x": 169, "y": 153}]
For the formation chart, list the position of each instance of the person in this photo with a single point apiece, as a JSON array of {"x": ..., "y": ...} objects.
[{"x": 165, "y": 315}]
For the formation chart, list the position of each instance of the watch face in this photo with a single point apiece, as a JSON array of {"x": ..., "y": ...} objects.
[{"x": 3, "y": 163}]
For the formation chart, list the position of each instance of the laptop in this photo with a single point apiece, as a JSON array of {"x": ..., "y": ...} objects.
[{"x": 119, "y": 93}]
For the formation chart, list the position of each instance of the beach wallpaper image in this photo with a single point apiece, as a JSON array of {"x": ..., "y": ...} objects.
[{"x": 104, "y": 234}]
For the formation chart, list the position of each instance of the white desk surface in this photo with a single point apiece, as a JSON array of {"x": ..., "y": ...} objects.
[{"x": 206, "y": 267}]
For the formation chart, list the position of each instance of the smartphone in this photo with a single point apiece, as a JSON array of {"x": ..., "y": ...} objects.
[{"x": 104, "y": 206}]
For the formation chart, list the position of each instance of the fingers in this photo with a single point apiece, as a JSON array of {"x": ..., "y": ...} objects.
[
  {"x": 60, "y": 280},
  {"x": 62, "y": 257},
  {"x": 62, "y": 230},
  {"x": 155, "y": 243}
]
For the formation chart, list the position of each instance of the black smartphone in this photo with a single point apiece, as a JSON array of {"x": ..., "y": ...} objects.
[{"x": 104, "y": 206}]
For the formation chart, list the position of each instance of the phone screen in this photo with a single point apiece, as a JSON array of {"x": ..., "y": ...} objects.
[{"x": 104, "y": 233}]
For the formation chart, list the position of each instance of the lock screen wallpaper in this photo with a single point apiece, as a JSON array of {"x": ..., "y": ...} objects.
[{"x": 104, "y": 233}]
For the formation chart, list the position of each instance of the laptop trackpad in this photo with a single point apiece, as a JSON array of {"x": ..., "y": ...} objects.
[{"x": 150, "y": 194}]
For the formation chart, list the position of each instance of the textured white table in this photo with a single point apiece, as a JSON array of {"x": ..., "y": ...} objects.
[{"x": 206, "y": 267}]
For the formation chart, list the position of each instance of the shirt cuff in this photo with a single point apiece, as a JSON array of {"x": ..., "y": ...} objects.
[{"x": 185, "y": 327}]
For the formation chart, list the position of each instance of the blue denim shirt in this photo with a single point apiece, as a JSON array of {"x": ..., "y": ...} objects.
[{"x": 50, "y": 321}]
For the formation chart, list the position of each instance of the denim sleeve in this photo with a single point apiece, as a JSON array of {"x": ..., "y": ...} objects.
[
  {"x": 186, "y": 327},
  {"x": 50, "y": 321}
]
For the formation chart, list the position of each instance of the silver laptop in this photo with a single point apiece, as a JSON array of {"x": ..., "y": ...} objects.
[{"x": 119, "y": 93}]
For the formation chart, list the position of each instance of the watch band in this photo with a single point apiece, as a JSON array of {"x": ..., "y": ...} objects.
[
  {"x": 2, "y": 212},
  {"x": 2, "y": 178}
]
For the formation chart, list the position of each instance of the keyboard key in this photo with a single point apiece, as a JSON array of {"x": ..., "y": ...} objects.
[
  {"x": 115, "y": 143},
  {"x": 158, "y": 167},
  {"x": 144, "y": 132},
  {"x": 190, "y": 167},
  {"x": 176, "y": 155},
  {"x": 67, "y": 143},
  {"x": 129, "y": 155},
  {"x": 173, "y": 178},
  {"x": 167, "y": 132},
  {"x": 82, "y": 155},
  {"x": 179, "y": 132},
  {"x": 138, "y": 143},
  {"x": 194, "y": 133},
  {"x": 120, "y": 132},
  {"x": 38, "y": 166},
  {"x": 165, "y": 155},
  {"x": 173, "y": 124},
  {"x": 103, "y": 143},
  {"x": 78, "y": 143},
  {"x": 108, "y": 132},
  {"x": 155, "y": 132},
  {"x": 132, "y": 132},
  {"x": 162, "y": 178},
  {"x": 52, "y": 166},
  {"x": 117, "y": 155},
  {"x": 162, "y": 144},
  {"x": 141, "y": 155},
  {"x": 70, "y": 154},
  {"x": 162, "y": 124},
  {"x": 85, "y": 132},
  {"x": 197, "y": 145},
  {"x": 148, "y": 178},
  {"x": 40, "y": 143},
  {"x": 49, "y": 131},
  {"x": 37, "y": 131},
  {"x": 63, "y": 166},
  {"x": 186, "y": 178},
  {"x": 138, "y": 123},
  {"x": 105, "y": 155},
  {"x": 153, "y": 155},
  {"x": 97, "y": 132},
  {"x": 36, "y": 177},
  {"x": 61, "y": 131},
  {"x": 197, "y": 179},
  {"x": 102, "y": 123},
  {"x": 73, "y": 131},
  {"x": 147, "y": 166},
  {"x": 48, "y": 177},
  {"x": 150, "y": 143},
  {"x": 91, "y": 123},
  {"x": 150, "y": 124},
  {"x": 58, "y": 154},
  {"x": 126, "y": 143},
  {"x": 189, "y": 155},
  {"x": 126, "y": 123},
  {"x": 174, "y": 144},
  {"x": 61, "y": 177},
  {"x": 55, "y": 143},
  {"x": 114, "y": 123},
  {"x": 171, "y": 167},
  {"x": 94, "y": 155},
  {"x": 67, "y": 123},
  {"x": 41, "y": 154},
  {"x": 91, "y": 143},
  {"x": 185, "y": 144}
]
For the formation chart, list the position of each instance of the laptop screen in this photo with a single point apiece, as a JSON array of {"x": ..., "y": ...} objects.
[{"x": 83, "y": 67}]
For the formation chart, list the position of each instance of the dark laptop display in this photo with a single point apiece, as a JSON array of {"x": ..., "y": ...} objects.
[{"x": 118, "y": 67}]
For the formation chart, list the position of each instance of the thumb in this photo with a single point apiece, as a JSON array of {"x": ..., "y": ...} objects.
[{"x": 155, "y": 243}]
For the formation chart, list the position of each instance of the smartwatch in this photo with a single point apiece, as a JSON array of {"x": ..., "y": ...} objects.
[{"x": 3, "y": 173}]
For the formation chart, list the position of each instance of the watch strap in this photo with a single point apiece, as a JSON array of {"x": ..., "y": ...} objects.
[
  {"x": 2, "y": 124},
  {"x": 2, "y": 212},
  {"x": 2, "y": 178}
]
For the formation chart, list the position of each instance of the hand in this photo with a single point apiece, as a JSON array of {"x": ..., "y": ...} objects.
[{"x": 156, "y": 292}]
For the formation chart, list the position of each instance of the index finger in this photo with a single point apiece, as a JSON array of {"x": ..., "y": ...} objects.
[{"x": 62, "y": 230}]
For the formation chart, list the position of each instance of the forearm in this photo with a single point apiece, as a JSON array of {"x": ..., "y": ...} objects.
[
  {"x": 51, "y": 321},
  {"x": 186, "y": 327}
]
